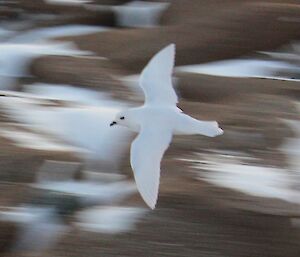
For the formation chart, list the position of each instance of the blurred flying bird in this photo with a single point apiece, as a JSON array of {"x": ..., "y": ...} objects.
[{"x": 156, "y": 121}]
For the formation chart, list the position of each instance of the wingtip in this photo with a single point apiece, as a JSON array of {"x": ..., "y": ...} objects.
[
  {"x": 151, "y": 205},
  {"x": 171, "y": 47},
  {"x": 150, "y": 201},
  {"x": 149, "y": 198}
]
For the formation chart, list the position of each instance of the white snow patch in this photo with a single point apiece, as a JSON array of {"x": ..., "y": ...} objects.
[
  {"x": 41, "y": 34},
  {"x": 65, "y": 93},
  {"x": 102, "y": 176},
  {"x": 18, "y": 52},
  {"x": 239, "y": 68},
  {"x": 293, "y": 144},
  {"x": 68, "y": 2},
  {"x": 291, "y": 148},
  {"x": 253, "y": 180},
  {"x": 39, "y": 228},
  {"x": 34, "y": 141},
  {"x": 85, "y": 127},
  {"x": 24, "y": 214},
  {"x": 250, "y": 179},
  {"x": 15, "y": 58},
  {"x": 284, "y": 55},
  {"x": 139, "y": 13},
  {"x": 91, "y": 192},
  {"x": 111, "y": 220}
]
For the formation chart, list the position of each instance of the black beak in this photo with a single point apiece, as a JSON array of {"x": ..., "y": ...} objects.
[{"x": 113, "y": 123}]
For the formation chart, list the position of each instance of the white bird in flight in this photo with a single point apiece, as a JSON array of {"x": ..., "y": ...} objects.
[{"x": 156, "y": 122}]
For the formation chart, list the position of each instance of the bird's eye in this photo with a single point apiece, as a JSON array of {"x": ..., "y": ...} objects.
[{"x": 122, "y": 118}]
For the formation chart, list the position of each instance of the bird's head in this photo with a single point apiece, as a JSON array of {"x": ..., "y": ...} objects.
[{"x": 122, "y": 118}]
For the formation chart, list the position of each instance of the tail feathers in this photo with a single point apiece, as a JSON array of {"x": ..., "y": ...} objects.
[
  {"x": 189, "y": 126},
  {"x": 209, "y": 128}
]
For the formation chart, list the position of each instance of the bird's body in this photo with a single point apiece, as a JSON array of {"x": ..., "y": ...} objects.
[
  {"x": 148, "y": 114},
  {"x": 169, "y": 117},
  {"x": 156, "y": 122}
]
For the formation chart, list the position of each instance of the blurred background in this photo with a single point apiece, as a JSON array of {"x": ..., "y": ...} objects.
[{"x": 66, "y": 186}]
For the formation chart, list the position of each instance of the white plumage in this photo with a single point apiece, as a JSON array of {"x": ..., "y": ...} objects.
[{"x": 156, "y": 121}]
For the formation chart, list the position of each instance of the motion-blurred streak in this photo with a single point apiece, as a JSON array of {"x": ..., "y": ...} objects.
[
  {"x": 229, "y": 171},
  {"x": 16, "y": 58},
  {"x": 60, "y": 177},
  {"x": 139, "y": 13},
  {"x": 85, "y": 126},
  {"x": 68, "y": 2},
  {"x": 43, "y": 34},
  {"x": 90, "y": 193},
  {"x": 109, "y": 220},
  {"x": 41, "y": 232},
  {"x": 45, "y": 218}
]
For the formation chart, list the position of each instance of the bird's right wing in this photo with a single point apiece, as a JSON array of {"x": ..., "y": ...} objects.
[
  {"x": 146, "y": 153},
  {"x": 156, "y": 78}
]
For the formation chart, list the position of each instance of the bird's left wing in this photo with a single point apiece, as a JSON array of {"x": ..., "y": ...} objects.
[
  {"x": 156, "y": 78},
  {"x": 146, "y": 153}
]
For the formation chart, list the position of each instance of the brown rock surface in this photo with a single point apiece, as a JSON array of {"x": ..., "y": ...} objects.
[
  {"x": 20, "y": 164},
  {"x": 205, "y": 88},
  {"x": 91, "y": 72},
  {"x": 223, "y": 34},
  {"x": 67, "y": 14},
  {"x": 192, "y": 224},
  {"x": 8, "y": 235}
]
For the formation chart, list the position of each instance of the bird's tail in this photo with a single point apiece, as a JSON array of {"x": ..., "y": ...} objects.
[
  {"x": 190, "y": 126},
  {"x": 209, "y": 128}
]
